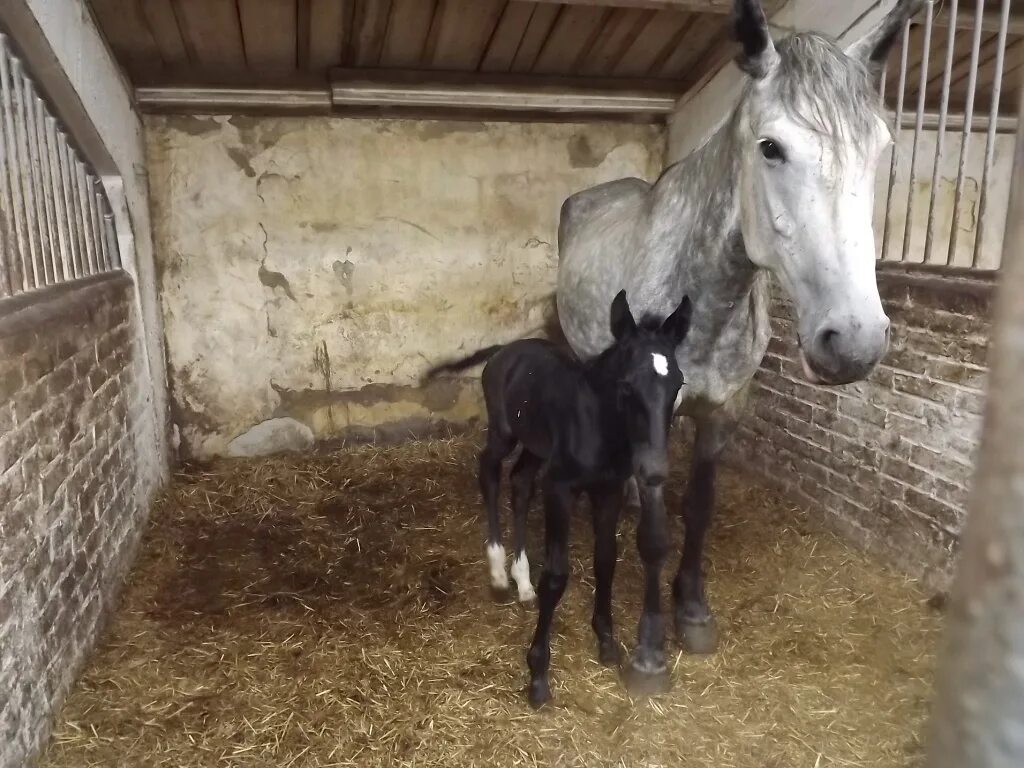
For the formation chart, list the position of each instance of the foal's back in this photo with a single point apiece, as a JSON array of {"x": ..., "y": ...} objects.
[{"x": 532, "y": 389}]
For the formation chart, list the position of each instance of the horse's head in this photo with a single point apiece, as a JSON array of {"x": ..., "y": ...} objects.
[
  {"x": 642, "y": 367},
  {"x": 811, "y": 131}
]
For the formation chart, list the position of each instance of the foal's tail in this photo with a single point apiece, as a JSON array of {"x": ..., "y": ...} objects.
[{"x": 480, "y": 356}]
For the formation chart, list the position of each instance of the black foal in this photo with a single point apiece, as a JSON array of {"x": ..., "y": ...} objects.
[{"x": 593, "y": 426}]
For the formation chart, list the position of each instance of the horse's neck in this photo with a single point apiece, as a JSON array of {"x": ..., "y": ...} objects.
[{"x": 695, "y": 213}]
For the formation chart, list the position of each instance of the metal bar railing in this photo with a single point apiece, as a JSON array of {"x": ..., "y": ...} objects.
[
  {"x": 973, "y": 204},
  {"x": 55, "y": 221},
  {"x": 990, "y": 139}
]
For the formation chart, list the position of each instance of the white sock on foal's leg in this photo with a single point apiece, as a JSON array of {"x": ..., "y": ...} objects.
[
  {"x": 496, "y": 561},
  {"x": 521, "y": 575}
]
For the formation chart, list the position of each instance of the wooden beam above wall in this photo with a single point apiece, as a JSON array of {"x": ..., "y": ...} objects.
[
  {"x": 965, "y": 20},
  {"x": 687, "y": 6}
]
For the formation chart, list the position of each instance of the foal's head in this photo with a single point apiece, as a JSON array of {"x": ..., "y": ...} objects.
[
  {"x": 811, "y": 130},
  {"x": 642, "y": 367}
]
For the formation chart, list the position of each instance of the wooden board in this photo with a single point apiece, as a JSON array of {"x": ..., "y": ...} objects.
[
  {"x": 163, "y": 26},
  {"x": 461, "y": 32},
  {"x": 575, "y": 30},
  {"x": 407, "y": 32},
  {"x": 212, "y": 26},
  {"x": 507, "y": 37},
  {"x": 269, "y": 33}
]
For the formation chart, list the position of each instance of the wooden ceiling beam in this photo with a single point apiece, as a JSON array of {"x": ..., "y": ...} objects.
[
  {"x": 965, "y": 20},
  {"x": 687, "y": 6}
]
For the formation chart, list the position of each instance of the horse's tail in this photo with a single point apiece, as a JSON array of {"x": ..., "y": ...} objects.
[{"x": 480, "y": 356}]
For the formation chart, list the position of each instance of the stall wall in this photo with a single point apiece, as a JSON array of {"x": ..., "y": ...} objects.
[
  {"x": 887, "y": 462},
  {"x": 311, "y": 269},
  {"x": 75, "y": 431}
]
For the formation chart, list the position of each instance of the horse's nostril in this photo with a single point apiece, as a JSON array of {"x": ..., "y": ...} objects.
[{"x": 828, "y": 339}]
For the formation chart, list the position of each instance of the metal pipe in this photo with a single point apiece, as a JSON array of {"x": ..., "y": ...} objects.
[
  {"x": 22, "y": 199},
  {"x": 94, "y": 224},
  {"x": 59, "y": 206},
  {"x": 990, "y": 140},
  {"x": 35, "y": 169},
  {"x": 965, "y": 136},
  {"x": 46, "y": 178},
  {"x": 940, "y": 139},
  {"x": 10, "y": 279},
  {"x": 82, "y": 189},
  {"x": 70, "y": 190},
  {"x": 895, "y": 146},
  {"x": 922, "y": 87}
]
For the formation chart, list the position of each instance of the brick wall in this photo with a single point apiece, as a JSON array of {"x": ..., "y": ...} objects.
[
  {"x": 887, "y": 462},
  {"x": 75, "y": 428}
]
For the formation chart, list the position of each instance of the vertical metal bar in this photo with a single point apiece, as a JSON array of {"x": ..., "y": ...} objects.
[
  {"x": 111, "y": 231},
  {"x": 20, "y": 278},
  {"x": 965, "y": 139},
  {"x": 82, "y": 189},
  {"x": 67, "y": 270},
  {"x": 35, "y": 169},
  {"x": 46, "y": 182},
  {"x": 70, "y": 197},
  {"x": 32, "y": 273},
  {"x": 990, "y": 141},
  {"x": 940, "y": 134},
  {"x": 10, "y": 279},
  {"x": 896, "y": 144},
  {"x": 922, "y": 87},
  {"x": 94, "y": 223}
]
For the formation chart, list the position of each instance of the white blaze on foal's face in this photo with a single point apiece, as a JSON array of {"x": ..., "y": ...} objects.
[{"x": 660, "y": 364}]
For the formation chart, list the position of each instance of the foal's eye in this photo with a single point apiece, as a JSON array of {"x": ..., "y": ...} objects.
[{"x": 771, "y": 151}]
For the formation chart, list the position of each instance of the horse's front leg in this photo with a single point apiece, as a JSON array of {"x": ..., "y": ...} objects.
[
  {"x": 647, "y": 672},
  {"x": 695, "y": 624},
  {"x": 607, "y": 505},
  {"x": 558, "y": 501}
]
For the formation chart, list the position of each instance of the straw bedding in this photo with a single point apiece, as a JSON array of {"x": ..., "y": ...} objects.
[{"x": 333, "y": 610}]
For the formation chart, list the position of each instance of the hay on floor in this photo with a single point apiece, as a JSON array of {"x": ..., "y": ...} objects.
[{"x": 334, "y": 611}]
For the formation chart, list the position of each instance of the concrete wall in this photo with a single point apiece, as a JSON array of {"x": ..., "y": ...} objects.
[
  {"x": 75, "y": 428},
  {"x": 313, "y": 268},
  {"x": 887, "y": 462}
]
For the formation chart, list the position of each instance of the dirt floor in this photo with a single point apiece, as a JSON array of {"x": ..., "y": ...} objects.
[{"x": 334, "y": 610}]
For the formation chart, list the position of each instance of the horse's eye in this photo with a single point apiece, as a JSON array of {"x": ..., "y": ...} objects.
[{"x": 771, "y": 151}]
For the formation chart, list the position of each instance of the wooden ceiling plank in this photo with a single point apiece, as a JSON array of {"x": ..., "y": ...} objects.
[
  {"x": 303, "y": 15},
  {"x": 370, "y": 26},
  {"x": 128, "y": 33},
  {"x": 576, "y": 26},
  {"x": 269, "y": 34},
  {"x": 330, "y": 25},
  {"x": 689, "y": 6},
  {"x": 508, "y": 36},
  {"x": 537, "y": 31},
  {"x": 986, "y": 75},
  {"x": 686, "y": 55},
  {"x": 163, "y": 25},
  {"x": 659, "y": 32},
  {"x": 407, "y": 32},
  {"x": 212, "y": 27},
  {"x": 617, "y": 35},
  {"x": 464, "y": 30}
]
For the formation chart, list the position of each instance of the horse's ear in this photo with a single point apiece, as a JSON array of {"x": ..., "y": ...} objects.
[
  {"x": 873, "y": 48},
  {"x": 622, "y": 318},
  {"x": 677, "y": 325},
  {"x": 750, "y": 28}
]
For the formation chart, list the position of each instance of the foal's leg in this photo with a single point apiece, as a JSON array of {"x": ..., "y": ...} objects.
[
  {"x": 606, "y": 503},
  {"x": 522, "y": 481},
  {"x": 647, "y": 672},
  {"x": 694, "y": 622},
  {"x": 498, "y": 447},
  {"x": 558, "y": 501}
]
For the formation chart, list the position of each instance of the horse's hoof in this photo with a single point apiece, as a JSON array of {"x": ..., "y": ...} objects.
[
  {"x": 501, "y": 595},
  {"x": 527, "y": 595},
  {"x": 641, "y": 683},
  {"x": 609, "y": 654},
  {"x": 539, "y": 693},
  {"x": 697, "y": 637}
]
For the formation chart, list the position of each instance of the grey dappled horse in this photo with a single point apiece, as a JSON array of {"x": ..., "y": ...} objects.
[{"x": 784, "y": 188}]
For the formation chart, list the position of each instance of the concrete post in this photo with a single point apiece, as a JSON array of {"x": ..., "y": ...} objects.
[{"x": 978, "y": 721}]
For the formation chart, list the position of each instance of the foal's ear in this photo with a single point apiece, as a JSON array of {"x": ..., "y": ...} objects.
[
  {"x": 873, "y": 48},
  {"x": 622, "y": 318},
  {"x": 677, "y": 325},
  {"x": 750, "y": 28}
]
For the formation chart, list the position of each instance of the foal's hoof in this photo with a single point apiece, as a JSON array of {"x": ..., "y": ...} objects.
[
  {"x": 697, "y": 637},
  {"x": 609, "y": 653},
  {"x": 641, "y": 683},
  {"x": 539, "y": 693}
]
